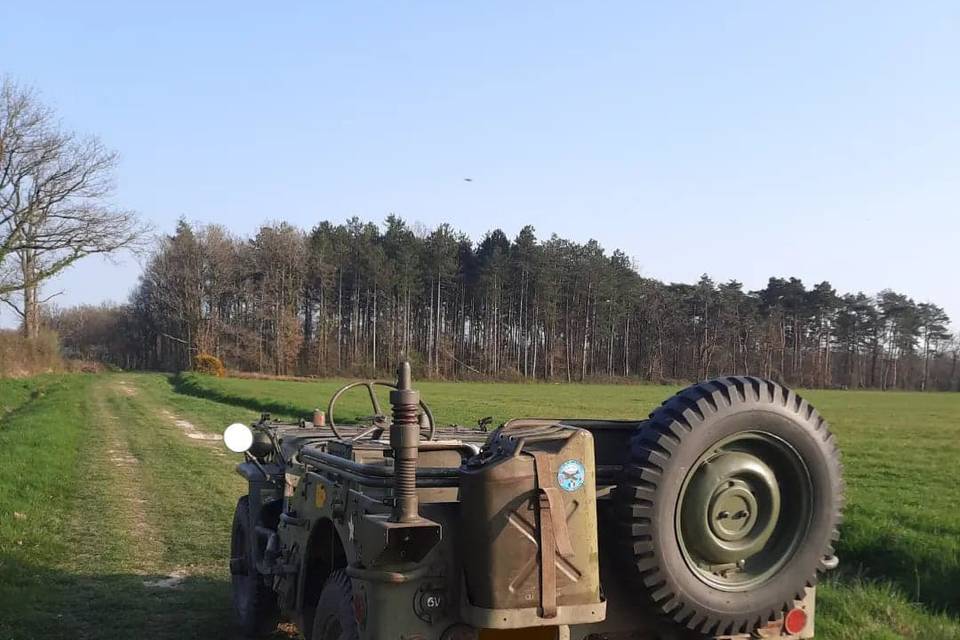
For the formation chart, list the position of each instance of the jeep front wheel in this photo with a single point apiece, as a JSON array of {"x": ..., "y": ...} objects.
[{"x": 254, "y": 603}]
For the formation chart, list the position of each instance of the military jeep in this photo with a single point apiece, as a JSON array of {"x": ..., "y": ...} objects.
[{"x": 712, "y": 517}]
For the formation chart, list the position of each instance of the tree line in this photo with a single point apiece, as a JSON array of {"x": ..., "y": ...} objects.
[{"x": 350, "y": 298}]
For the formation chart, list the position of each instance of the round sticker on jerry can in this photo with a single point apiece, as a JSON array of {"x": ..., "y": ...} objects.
[{"x": 571, "y": 475}]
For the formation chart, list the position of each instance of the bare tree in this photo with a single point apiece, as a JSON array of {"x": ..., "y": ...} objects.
[{"x": 55, "y": 190}]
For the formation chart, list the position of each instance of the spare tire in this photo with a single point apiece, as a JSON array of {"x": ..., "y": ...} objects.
[{"x": 730, "y": 504}]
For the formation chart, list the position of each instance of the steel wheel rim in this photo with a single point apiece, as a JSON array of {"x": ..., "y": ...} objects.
[{"x": 744, "y": 510}]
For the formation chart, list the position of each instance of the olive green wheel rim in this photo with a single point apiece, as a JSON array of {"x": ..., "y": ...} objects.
[{"x": 744, "y": 509}]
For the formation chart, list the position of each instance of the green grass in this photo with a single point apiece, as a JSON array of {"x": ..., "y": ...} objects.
[
  {"x": 849, "y": 608},
  {"x": 17, "y": 392},
  {"x": 451, "y": 402},
  {"x": 36, "y": 465},
  {"x": 100, "y": 492}
]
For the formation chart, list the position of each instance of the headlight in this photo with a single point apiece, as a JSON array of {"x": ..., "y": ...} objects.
[{"x": 238, "y": 437}]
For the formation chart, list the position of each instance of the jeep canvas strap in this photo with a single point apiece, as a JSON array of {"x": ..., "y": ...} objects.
[{"x": 554, "y": 537}]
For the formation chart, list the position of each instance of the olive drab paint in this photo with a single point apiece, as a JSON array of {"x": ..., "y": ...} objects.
[
  {"x": 530, "y": 545},
  {"x": 568, "y": 529}
]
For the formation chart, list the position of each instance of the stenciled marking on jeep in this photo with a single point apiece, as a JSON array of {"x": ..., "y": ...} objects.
[{"x": 571, "y": 475}]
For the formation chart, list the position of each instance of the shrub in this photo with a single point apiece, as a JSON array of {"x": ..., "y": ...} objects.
[
  {"x": 21, "y": 356},
  {"x": 208, "y": 365}
]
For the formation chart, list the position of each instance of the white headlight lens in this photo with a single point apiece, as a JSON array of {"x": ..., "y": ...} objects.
[{"x": 238, "y": 437}]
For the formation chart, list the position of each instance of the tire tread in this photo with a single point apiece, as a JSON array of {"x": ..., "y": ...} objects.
[{"x": 651, "y": 451}]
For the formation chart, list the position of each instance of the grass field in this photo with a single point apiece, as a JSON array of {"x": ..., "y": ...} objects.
[{"x": 115, "y": 509}]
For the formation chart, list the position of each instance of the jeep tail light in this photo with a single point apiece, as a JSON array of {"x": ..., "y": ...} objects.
[{"x": 795, "y": 621}]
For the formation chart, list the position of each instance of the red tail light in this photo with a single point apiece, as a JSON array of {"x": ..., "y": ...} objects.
[{"x": 795, "y": 621}]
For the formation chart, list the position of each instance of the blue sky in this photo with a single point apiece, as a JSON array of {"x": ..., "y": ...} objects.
[{"x": 745, "y": 140}]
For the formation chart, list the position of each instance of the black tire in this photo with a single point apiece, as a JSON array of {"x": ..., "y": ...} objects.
[
  {"x": 333, "y": 618},
  {"x": 254, "y": 602},
  {"x": 665, "y": 453}
]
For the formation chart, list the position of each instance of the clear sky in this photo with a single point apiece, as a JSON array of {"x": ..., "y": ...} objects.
[{"x": 820, "y": 140}]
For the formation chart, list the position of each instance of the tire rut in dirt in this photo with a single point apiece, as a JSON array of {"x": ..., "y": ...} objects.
[{"x": 121, "y": 471}]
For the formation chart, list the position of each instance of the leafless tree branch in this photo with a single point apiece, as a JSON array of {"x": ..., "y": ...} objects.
[{"x": 55, "y": 199}]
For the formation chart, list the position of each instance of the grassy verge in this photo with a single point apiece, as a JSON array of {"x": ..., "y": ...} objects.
[
  {"x": 15, "y": 393},
  {"x": 113, "y": 523},
  {"x": 39, "y": 453}
]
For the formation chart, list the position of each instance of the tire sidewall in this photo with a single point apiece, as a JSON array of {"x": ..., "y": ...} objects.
[
  {"x": 254, "y": 603},
  {"x": 335, "y": 602},
  {"x": 242, "y": 595}
]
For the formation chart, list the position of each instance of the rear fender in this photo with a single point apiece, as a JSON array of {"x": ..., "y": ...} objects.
[{"x": 324, "y": 553}]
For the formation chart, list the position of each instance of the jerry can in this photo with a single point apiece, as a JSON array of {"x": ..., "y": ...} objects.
[{"x": 529, "y": 543}]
